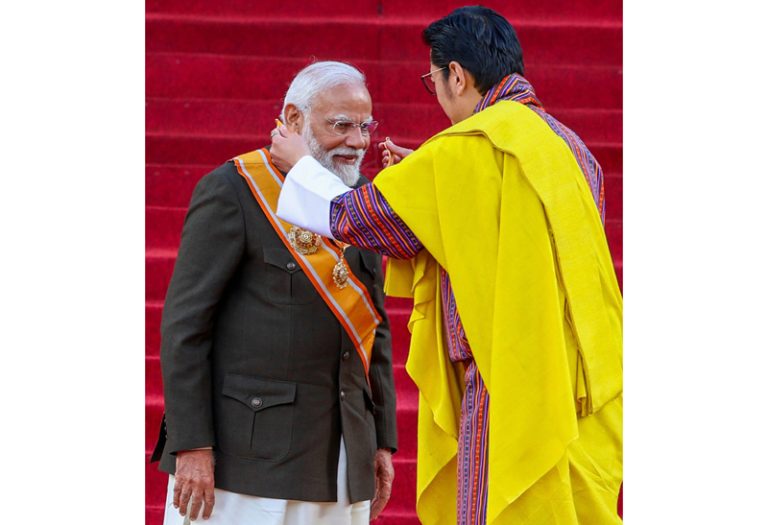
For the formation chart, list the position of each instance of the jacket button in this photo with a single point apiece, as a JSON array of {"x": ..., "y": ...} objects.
[
  {"x": 342, "y": 395},
  {"x": 291, "y": 265},
  {"x": 256, "y": 402},
  {"x": 345, "y": 355}
]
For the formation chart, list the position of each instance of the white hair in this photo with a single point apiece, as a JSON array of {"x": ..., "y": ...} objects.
[{"x": 316, "y": 78}]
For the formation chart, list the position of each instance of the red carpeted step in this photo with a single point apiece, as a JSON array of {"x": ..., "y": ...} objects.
[
  {"x": 154, "y": 515},
  {"x": 153, "y": 416},
  {"x": 366, "y": 39},
  {"x": 562, "y": 10},
  {"x": 241, "y": 117},
  {"x": 207, "y": 76},
  {"x": 163, "y": 227},
  {"x": 613, "y": 228},
  {"x": 172, "y": 185},
  {"x": 273, "y": 8},
  {"x": 610, "y": 155},
  {"x": 158, "y": 269},
  {"x": 152, "y": 316},
  {"x": 614, "y": 196},
  {"x": 156, "y": 484}
]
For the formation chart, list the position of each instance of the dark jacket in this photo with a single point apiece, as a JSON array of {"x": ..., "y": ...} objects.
[{"x": 255, "y": 364}]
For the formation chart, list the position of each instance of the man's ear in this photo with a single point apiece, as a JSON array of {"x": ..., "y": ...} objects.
[
  {"x": 294, "y": 118},
  {"x": 459, "y": 78}
]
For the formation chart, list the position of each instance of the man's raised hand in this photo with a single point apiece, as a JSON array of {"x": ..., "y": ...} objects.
[{"x": 391, "y": 153}]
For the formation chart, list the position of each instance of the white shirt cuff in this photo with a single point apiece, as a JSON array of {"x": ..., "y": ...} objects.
[{"x": 305, "y": 200}]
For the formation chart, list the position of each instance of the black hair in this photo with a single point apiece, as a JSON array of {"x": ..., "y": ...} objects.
[{"x": 479, "y": 39}]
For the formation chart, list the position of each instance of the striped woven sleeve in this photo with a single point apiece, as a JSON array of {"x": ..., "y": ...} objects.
[{"x": 363, "y": 218}]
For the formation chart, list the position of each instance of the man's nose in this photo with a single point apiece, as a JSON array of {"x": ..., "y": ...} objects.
[{"x": 356, "y": 139}]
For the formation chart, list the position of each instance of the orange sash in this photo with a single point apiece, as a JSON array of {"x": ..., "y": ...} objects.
[{"x": 351, "y": 305}]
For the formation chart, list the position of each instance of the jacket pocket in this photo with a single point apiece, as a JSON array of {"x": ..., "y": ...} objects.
[
  {"x": 257, "y": 417},
  {"x": 285, "y": 282}
]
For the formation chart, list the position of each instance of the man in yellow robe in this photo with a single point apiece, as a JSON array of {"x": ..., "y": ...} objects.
[{"x": 502, "y": 248}]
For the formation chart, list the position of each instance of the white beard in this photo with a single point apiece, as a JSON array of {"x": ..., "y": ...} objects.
[{"x": 349, "y": 174}]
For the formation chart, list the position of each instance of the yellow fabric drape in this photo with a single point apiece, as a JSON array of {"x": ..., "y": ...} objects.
[{"x": 499, "y": 201}]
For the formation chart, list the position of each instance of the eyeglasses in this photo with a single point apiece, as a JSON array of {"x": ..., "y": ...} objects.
[
  {"x": 345, "y": 127},
  {"x": 429, "y": 86}
]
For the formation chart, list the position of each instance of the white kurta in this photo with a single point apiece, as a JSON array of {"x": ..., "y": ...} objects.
[{"x": 231, "y": 508}]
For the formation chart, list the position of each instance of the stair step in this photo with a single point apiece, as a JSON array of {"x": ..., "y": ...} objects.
[
  {"x": 361, "y": 39},
  {"x": 172, "y": 185},
  {"x": 242, "y": 117},
  {"x": 562, "y": 10},
  {"x": 208, "y": 76}
]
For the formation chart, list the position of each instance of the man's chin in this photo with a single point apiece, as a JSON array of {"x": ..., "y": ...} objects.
[{"x": 348, "y": 173}]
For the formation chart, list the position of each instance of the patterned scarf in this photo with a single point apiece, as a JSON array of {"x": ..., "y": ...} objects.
[{"x": 512, "y": 87}]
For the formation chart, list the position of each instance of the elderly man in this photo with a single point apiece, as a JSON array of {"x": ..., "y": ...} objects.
[
  {"x": 516, "y": 328},
  {"x": 276, "y": 355}
]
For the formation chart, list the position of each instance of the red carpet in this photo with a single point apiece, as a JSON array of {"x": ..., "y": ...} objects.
[{"x": 216, "y": 74}]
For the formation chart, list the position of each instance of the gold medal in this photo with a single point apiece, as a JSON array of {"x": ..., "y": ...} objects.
[
  {"x": 341, "y": 271},
  {"x": 305, "y": 242}
]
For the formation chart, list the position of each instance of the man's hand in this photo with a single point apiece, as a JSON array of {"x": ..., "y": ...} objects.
[
  {"x": 391, "y": 153},
  {"x": 385, "y": 475},
  {"x": 194, "y": 481},
  {"x": 287, "y": 148}
]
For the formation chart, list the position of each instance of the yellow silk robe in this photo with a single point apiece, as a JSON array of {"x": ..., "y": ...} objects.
[{"x": 499, "y": 201}]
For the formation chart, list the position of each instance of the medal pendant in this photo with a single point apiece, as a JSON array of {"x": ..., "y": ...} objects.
[
  {"x": 305, "y": 242},
  {"x": 340, "y": 273}
]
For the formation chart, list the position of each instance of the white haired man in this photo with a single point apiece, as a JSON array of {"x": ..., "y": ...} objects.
[{"x": 276, "y": 353}]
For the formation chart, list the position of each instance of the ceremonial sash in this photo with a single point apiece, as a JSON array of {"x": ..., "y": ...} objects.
[{"x": 351, "y": 305}]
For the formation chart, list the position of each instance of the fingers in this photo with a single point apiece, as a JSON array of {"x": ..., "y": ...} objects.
[
  {"x": 380, "y": 500},
  {"x": 194, "y": 483},
  {"x": 391, "y": 153},
  {"x": 397, "y": 150},
  {"x": 383, "y": 493},
  {"x": 192, "y": 500},
  {"x": 176, "y": 493},
  {"x": 197, "y": 502},
  {"x": 376, "y": 508},
  {"x": 210, "y": 500},
  {"x": 186, "y": 494},
  {"x": 387, "y": 158}
]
